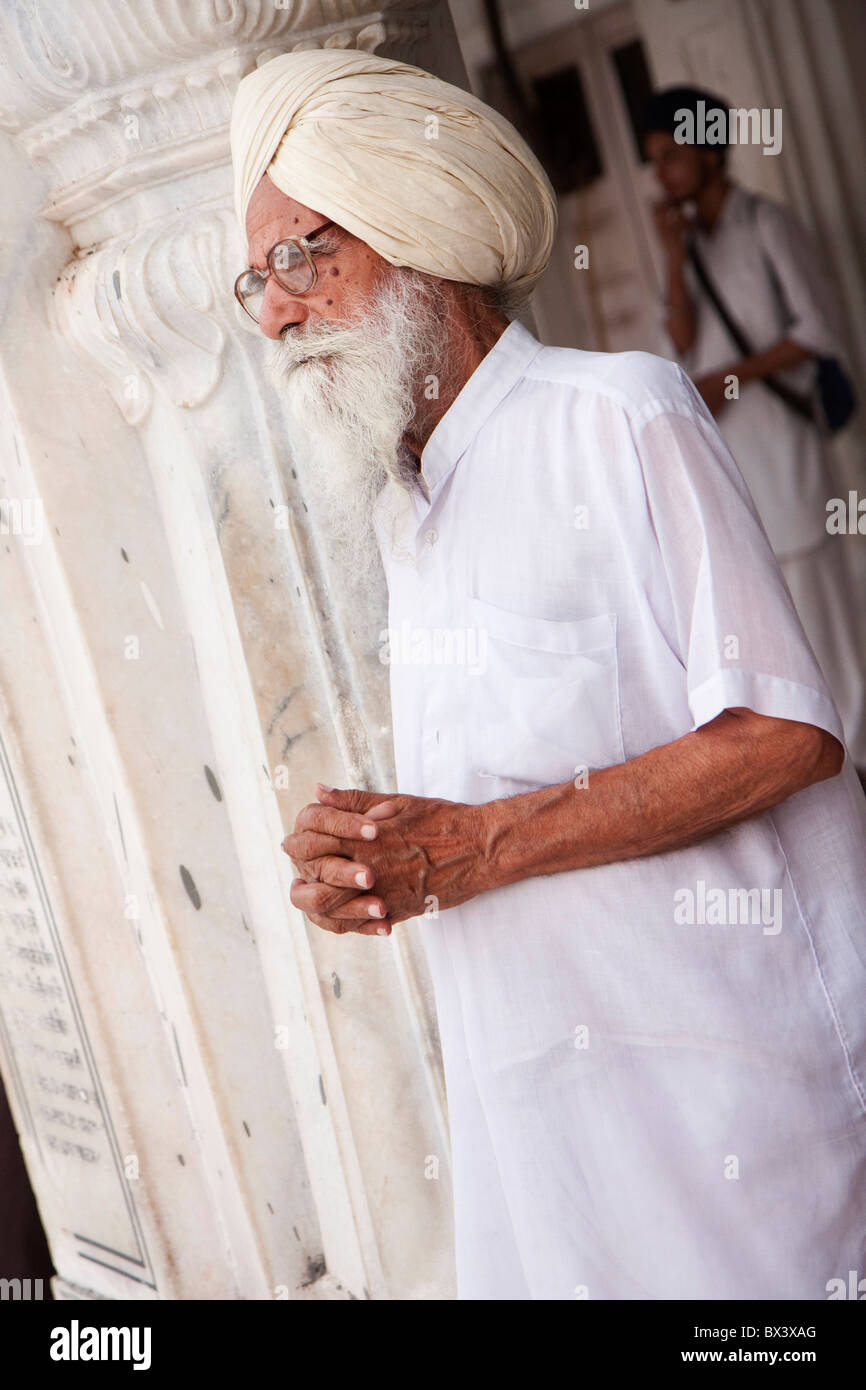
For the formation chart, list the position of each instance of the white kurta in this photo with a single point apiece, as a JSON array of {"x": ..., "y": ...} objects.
[
  {"x": 645, "y": 1101},
  {"x": 781, "y": 455}
]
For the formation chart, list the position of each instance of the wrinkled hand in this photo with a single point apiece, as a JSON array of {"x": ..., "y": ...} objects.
[
  {"x": 421, "y": 854},
  {"x": 322, "y": 850}
]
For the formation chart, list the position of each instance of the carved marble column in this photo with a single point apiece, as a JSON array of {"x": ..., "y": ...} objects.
[{"x": 214, "y": 1099}]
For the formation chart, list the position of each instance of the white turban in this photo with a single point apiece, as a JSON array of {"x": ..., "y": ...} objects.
[{"x": 423, "y": 172}]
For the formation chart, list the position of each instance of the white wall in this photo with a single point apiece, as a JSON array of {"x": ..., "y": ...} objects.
[{"x": 225, "y": 1102}]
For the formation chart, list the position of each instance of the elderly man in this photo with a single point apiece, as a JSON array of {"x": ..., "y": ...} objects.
[{"x": 625, "y": 813}]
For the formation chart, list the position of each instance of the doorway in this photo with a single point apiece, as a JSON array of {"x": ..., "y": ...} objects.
[{"x": 588, "y": 80}]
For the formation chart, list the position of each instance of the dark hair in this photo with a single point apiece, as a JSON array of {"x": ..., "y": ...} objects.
[
  {"x": 663, "y": 109},
  {"x": 508, "y": 300}
]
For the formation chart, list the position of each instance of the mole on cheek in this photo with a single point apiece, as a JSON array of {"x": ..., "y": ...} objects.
[
  {"x": 297, "y": 219},
  {"x": 329, "y": 301},
  {"x": 334, "y": 270}
]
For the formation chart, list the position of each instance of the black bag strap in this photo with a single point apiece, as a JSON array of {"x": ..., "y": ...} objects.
[{"x": 796, "y": 403}]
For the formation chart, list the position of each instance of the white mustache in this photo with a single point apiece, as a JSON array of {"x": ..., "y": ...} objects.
[{"x": 324, "y": 339}]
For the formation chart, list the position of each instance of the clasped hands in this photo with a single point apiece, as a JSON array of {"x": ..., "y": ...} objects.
[{"x": 366, "y": 860}]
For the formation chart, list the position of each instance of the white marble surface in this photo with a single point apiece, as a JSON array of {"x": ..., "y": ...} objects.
[{"x": 176, "y": 675}]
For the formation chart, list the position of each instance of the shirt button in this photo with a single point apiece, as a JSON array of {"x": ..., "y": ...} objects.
[
  {"x": 431, "y": 536},
  {"x": 436, "y": 732}
]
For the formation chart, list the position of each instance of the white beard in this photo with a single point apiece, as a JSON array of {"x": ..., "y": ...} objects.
[{"x": 351, "y": 392}]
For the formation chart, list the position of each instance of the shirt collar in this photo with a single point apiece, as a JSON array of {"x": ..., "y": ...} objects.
[{"x": 491, "y": 381}]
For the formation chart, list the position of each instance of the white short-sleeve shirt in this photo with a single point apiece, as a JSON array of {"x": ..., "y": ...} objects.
[
  {"x": 655, "y": 1068},
  {"x": 772, "y": 282}
]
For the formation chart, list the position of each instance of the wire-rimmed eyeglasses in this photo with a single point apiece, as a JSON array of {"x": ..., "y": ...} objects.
[{"x": 292, "y": 264}]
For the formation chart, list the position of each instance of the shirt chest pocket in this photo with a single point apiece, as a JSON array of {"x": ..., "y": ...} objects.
[{"x": 543, "y": 697}]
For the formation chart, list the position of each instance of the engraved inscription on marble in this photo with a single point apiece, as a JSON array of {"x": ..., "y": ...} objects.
[{"x": 48, "y": 1063}]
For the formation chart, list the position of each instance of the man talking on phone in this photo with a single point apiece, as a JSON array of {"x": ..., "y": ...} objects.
[{"x": 749, "y": 311}]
